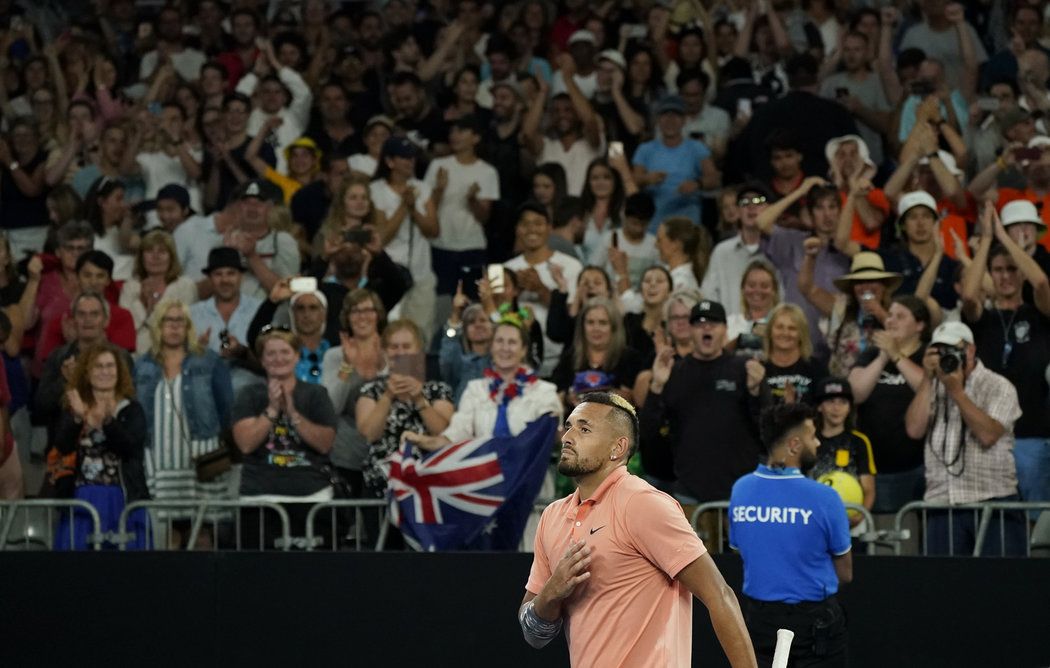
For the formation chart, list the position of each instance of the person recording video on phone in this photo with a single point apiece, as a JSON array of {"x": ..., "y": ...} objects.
[
  {"x": 400, "y": 399},
  {"x": 966, "y": 413}
]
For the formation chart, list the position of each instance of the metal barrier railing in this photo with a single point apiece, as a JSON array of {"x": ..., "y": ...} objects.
[
  {"x": 200, "y": 514},
  {"x": 976, "y": 522},
  {"x": 868, "y": 537},
  {"x": 339, "y": 525},
  {"x": 9, "y": 511}
]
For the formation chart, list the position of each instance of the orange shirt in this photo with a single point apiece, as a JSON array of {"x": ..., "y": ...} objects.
[
  {"x": 1042, "y": 203},
  {"x": 859, "y": 233},
  {"x": 954, "y": 218},
  {"x": 632, "y": 611}
]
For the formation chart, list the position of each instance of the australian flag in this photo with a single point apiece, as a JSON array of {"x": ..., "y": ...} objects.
[{"x": 471, "y": 495}]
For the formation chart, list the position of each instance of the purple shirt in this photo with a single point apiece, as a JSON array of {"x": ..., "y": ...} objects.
[{"x": 783, "y": 247}]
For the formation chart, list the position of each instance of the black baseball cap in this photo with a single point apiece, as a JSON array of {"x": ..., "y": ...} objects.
[
  {"x": 832, "y": 387},
  {"x": 176, "y": 193},
  {"x": 706, "y": 310},
  {"x": 259, "y": 189}
]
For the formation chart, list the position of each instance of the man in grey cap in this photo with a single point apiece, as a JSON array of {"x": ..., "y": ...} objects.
[{"x": 673, "y": 168}]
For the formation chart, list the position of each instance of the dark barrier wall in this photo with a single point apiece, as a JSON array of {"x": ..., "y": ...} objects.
[{"x": 454, "y": 610}]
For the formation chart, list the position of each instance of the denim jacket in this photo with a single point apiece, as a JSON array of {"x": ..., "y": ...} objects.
[
  {"x": 459, "y": 367},
  {"x": 207, "y": 392}
]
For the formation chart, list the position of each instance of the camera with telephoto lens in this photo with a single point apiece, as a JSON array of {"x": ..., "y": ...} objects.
[{"x": 951, "y": 358}]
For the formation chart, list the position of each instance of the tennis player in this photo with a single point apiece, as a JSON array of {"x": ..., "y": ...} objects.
[{"x": 616, "y": 563}]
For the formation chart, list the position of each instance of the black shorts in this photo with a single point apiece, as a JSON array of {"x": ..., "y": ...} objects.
[{"x": 819, "y": 626}]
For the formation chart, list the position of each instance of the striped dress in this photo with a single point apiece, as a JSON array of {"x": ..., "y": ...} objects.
[{"x": 170, "y": 472}]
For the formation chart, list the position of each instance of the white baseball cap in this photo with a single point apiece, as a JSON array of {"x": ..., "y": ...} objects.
[
  {"x": 952, "y": 334},
  {"x": 1039, "y": 141},
  {"x": 614, "y": 57},
  {"x": 583, "y": 36},
  {"x": 916, "y": 198},
  {"x": 1020, "y": 211}
]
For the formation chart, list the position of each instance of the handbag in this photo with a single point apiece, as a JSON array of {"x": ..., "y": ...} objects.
[
  {"x": 209, "y": 465},
  {"x": 213, "y": 463}
]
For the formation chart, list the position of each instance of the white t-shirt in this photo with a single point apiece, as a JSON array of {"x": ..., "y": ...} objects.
[
  {"x": 408, "y": 236},
  {"x": 571, "y": 268},
  {"x": 364, "y": 163},
  {"x": 588, "y": 85},
  {"x": 123, "y": 263},
  {"x": 187, "y": 64},
  {"x": 574, "y": 161},
  {"x": 159, "y": 169},
  {"x": 459, "y": 229}
]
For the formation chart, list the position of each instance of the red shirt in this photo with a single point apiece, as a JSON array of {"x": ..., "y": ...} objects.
[
  {"x": 235, "y": 67},
  {"x": 1007, "y": 195},
  {"x": 121, "y": 332}
]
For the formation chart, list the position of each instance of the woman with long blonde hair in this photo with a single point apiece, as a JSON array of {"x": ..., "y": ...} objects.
[
  {"x": 791, "y": 370},
  {"x": 352, "y": 208},
  {"x": 186, "y": 395}
]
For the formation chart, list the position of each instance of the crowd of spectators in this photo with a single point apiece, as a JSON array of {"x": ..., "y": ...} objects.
[{"x": 307, "y": 231}]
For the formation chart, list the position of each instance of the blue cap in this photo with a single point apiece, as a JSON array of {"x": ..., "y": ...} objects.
[
  {"x": 400, "y": 147},
  {"x": 671, "y": 104}
]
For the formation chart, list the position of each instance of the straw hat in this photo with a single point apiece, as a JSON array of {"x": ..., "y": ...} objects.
[{"x": 868, "y": 266}]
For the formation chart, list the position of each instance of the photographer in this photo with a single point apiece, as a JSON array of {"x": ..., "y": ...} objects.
[{"x": 966, "y": 414}]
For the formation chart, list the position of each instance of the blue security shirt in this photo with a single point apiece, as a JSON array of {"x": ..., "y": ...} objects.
[{"x": 787, "y": 528}]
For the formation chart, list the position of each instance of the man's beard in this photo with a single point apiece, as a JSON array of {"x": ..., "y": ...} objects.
[
  {"x": 578, "y": 468},
  {"x": 807, "y": 459}
]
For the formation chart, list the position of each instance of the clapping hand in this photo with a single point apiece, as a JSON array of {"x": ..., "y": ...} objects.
[
  {"x": 886, "y": 342},
  {"x": 662, "y": 365},
  {"x": 275, "y": 394},
  {"x": 76, "y": 403},
  {"x": 558, "y": 274}
]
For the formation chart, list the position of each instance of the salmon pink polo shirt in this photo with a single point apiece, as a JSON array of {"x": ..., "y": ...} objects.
[{"x": 631, "y": 611}]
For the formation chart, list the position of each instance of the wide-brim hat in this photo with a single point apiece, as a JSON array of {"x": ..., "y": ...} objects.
[
  {"x": 868, "y": 266},
  {"x": 862, "y": 148}
]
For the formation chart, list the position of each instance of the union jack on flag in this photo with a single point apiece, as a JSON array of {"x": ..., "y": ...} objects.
[{"x": 471, "y": 495}]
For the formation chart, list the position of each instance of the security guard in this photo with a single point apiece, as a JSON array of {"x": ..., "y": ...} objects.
[{"x": 793, "y": 535}]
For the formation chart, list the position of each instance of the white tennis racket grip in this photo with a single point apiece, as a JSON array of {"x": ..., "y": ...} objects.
[{"x": 780, "y": 655}]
